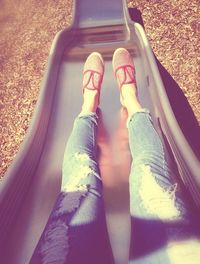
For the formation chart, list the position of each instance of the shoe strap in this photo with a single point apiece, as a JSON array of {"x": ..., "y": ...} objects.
[
  {"x": 128, "y": 73},
  {"x": 91, "y": 80}
]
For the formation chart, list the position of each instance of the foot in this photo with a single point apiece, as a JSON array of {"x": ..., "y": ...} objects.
[
  {"x": 92, "y": 79},
  {"x": 124, "y": 70}
]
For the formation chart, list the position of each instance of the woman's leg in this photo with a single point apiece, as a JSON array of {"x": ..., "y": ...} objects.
[
  {"x": 76, "y": 230},
  {"x": 162, "y": 228}
]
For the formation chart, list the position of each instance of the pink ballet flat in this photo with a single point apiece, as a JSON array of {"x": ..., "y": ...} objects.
[
  {"x": 124, "y": 68},
  {"x": 93, "y": 72}
]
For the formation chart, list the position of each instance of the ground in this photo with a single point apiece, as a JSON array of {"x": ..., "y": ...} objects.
[{"x": 27, "y": 31}]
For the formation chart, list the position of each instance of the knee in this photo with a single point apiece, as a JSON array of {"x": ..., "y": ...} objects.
[
  {"x": 150, "y": 158},
  {"x": 158, "y": 196},
  {"x": 77, "y": 172}
]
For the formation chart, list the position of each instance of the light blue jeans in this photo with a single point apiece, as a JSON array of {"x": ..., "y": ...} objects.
[{"x": 76, "y": 231}]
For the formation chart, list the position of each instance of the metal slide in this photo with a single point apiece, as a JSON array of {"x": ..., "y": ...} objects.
[{"x": 30, "y": 187}]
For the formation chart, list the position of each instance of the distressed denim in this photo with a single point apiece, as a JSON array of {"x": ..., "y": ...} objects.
[
  {"x": 76, "y": 231},
  {"x": 162, "y": 227}
]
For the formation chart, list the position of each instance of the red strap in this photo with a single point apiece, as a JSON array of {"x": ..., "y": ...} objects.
[
  {"x": 91, "y": 77},
  {"x": 128, "y": 74}
]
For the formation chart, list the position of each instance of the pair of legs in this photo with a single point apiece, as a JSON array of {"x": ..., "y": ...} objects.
[{"x": 162, "y": 228}]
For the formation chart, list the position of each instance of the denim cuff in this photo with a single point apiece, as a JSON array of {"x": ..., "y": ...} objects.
[
  {"x": 143, "y": 110},
  {"x": 88, "y": 114}
]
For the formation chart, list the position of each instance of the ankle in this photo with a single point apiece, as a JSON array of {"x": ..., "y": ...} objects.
[
  {"x": 132, "y": 109},
  {"x": 128, "y": 90},
  {"x": 90, "y": 100},
  {"x": 130, "y": 101}
]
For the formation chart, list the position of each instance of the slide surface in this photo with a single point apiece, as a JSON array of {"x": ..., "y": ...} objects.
[{"x": 33, "y": 181}]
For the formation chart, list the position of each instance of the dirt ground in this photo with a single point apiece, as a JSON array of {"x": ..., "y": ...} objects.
[{"x": 27, "y": 31}]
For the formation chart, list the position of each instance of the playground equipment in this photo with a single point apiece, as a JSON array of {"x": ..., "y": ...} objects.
[{"x": 30, "y": 187}]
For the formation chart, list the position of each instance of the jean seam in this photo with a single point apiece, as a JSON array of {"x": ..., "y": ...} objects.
[
  {"x": 93, "y": 136},
  {"x": 161, "y": 146},
  {"x": 94, "y": 123}
]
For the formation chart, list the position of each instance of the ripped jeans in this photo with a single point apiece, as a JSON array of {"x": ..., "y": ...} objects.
[
  {"x": 163, "y": 226},
  {"x": 76, "y": 231}
]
